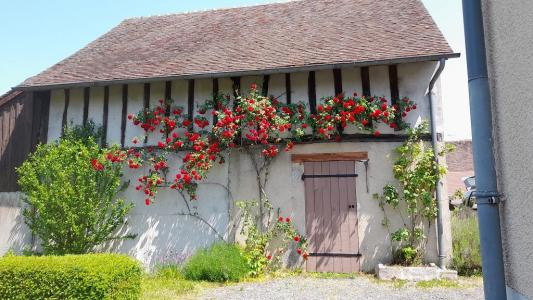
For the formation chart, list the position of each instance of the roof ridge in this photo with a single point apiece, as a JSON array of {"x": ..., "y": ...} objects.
[{"x": 208, "y": 10}]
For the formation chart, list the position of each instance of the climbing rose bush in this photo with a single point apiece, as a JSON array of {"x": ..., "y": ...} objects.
[
  {"x": 265, "y": 248},
  {"x": 250, "y": 120}
]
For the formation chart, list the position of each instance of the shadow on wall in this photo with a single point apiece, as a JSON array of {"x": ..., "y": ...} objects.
[
  {"x": 171, "y": 229},
  {"x": 14, "y": 234}
]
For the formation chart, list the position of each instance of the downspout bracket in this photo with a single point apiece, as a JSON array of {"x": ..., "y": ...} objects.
[{"x": 487, "y": 197}]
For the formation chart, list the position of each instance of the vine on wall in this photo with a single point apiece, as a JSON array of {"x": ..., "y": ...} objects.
[{"x": 417, "y": 174}]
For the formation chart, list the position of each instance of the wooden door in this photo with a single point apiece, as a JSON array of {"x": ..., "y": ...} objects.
[{"x": 331, "y": 216}]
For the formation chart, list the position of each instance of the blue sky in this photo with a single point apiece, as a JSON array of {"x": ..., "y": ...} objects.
[{"x": 37, "y": 34}]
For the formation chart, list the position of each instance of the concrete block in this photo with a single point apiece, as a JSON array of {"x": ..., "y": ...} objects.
[{"x": 430, "y": 272}]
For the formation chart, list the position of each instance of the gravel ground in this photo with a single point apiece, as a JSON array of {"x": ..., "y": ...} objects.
[{"x": 361, "y": 287}]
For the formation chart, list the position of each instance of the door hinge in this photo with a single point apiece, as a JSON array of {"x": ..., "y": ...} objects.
[
  {"x": 336, "y": 254},
  {"x": 304, "y": 176}
]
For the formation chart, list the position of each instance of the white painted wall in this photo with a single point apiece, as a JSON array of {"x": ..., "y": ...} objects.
[
  {"x": 114, "y": 115},
  {"x": 14, "y": 234},
  {"x": 75, "y": 107},
  {"x": 135, "y": 105},
  {"x": 276, "y": 87},
  {"x": 164, "y": 235},
  {"x": 96, "y": 105},
  {"x": 57, "y": 105}
]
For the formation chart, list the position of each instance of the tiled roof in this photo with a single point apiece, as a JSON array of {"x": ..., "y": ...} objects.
[
  {"x": 250, "y": 39},
  {"x": 12, "y": 94}
]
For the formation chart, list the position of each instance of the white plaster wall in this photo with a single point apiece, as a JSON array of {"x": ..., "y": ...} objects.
[
  {"x": 75, "y": 107},
  {"x": 225, "y": 86},
  {"x": 135, "y": 104},
  {"x": 299, "y": 90},
  {"x": 55, "y": 117},
  {"x": 324, "y": 85},
  {"x": 179, "y": 91},
  {"x": 157, "y": 92},
  {"x": 509, "y": 39},
  {"x": 277, "y": 87},
  {"x": 351, "y": 81},
  {"x": 413, "y": 82},
  {"x": 14, "y": 234},
  {"x": 380, "y": 87},
  {"x": 203, "y": 90},
  {"x": 114, "y": 117},
  {"x": 165, "y": 234},
  {"x": 286, "y": 192},
  {"x": 96, "y": 105}
]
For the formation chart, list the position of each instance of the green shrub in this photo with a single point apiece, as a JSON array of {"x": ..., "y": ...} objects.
[
  {"x": 72, "y": 206},
  {"x": 465, "y": 241},
  {"x": 91, "y": 276},
  {"x": 219, "y": 263}
]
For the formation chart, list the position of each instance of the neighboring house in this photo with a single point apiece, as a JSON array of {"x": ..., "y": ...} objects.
[
  {"x": 509, "y": 40},
  {"x": 460, "y": 165},
  {"x": 297, "y": 51}
]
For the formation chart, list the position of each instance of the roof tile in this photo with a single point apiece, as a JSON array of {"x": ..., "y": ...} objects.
[{"x": 281, "y": 35}]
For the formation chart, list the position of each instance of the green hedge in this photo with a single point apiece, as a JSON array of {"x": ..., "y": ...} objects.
[
  {"x": 91, "y": 276},
  {"x": 219, "y": 263}
]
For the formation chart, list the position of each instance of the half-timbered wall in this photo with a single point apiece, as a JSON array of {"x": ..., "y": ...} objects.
[
  {"x": 68, "y": 106},
  {"x": 165, "y": 235}
]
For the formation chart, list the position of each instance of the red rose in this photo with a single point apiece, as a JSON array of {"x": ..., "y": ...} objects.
[
  {"x": 269, "y": 257},
  {"x": 280, "y": 219},
  {"x": 250, "y": 109},
  {"x": 299, "y": 251},
  {"x": 253, "y": 86},
  {"x": 288, "y": 220},
  {"x": 147, "y": 201},
  {"x": 130, "y": 116},
  {"x": 377, "y": 133},
  {"x": 296, "y": 238}
]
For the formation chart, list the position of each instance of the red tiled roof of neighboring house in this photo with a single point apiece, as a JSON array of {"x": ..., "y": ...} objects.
[{"x": 294, "y": 34}]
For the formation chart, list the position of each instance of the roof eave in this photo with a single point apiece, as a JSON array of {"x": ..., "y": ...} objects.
[{"x": 310, "y": 67}]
